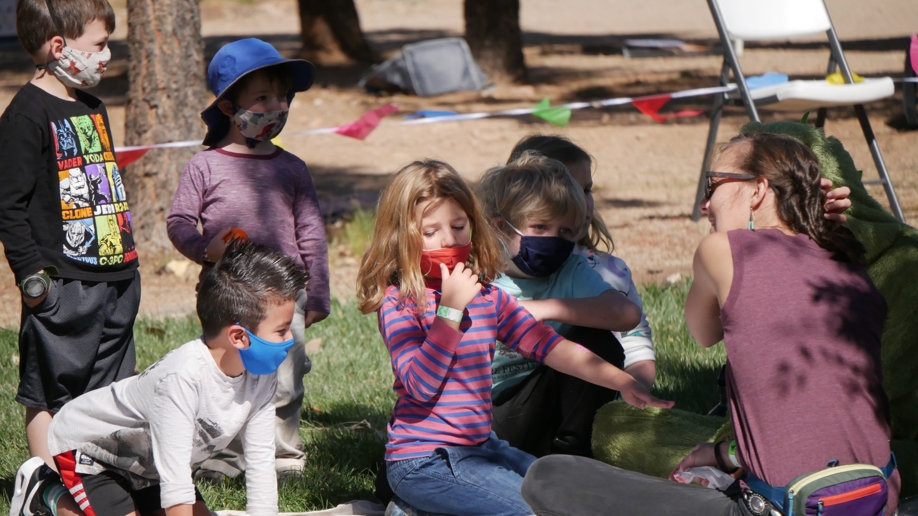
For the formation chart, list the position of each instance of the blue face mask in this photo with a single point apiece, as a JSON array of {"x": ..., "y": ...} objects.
[
  {"x": 263, "y": 357},
  {"x": 541, "y": 256}
]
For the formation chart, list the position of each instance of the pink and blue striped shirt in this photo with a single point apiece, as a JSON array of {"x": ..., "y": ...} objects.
[{"x": 443, "y": 376}]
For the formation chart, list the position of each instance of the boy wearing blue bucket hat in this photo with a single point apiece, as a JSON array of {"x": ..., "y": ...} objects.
[{"x": 243, "y": 181}]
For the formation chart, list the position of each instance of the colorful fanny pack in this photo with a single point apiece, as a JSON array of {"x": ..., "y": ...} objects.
[{"x": 850, "y": 490}]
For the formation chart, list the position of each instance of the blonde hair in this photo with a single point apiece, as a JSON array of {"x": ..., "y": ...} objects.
[
  {"x": 532, "y": 186},
  {"x": 567, "y": 152},
  {"x": 394, "y": 254}
]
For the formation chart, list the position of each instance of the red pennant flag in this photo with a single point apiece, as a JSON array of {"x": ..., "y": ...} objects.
[
  {"x": 650, "y": 106},
  {"x": 913, "y": 53},
  {"x": 362, "y": 128},
  {"x": 125, "y": 158}
]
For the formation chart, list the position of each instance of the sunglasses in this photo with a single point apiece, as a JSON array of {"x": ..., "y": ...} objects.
[{"x": 710, "y": 185}]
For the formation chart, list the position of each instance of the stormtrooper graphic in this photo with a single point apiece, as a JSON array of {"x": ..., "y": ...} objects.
[
  {"x": 78, "y": 237},
  {"x": 75, "y": 189}
]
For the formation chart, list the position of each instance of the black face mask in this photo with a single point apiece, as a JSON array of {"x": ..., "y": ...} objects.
[{"x": 541, "y": 256}]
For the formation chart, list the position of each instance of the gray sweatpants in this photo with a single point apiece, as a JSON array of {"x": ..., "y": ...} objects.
[
  {"x": 564, "y": 485},
  {"x": 289, "y": 454}
]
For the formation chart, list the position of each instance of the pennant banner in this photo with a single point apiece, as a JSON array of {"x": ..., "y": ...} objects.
[
  {"x": 430, "y": 113},
  {"x": 126, "y": 157},
  {"x": 913, "y": 53},
  {"x": 651, "y": 107},
  {"x": 362, "y": 127},
  {"x": 557, "y": 115}
]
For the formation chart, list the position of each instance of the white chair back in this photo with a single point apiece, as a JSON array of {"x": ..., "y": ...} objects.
[{"x": 773, "y": 19}]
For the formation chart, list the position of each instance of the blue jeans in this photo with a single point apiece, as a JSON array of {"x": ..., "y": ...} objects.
[{"x": 464, "y": 480}]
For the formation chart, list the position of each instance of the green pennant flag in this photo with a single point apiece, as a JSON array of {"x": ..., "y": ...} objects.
[{"x": 556, "y": 116}]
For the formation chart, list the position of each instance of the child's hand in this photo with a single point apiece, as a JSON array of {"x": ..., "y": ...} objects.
[
  {"x": 836, "y": 201},
  {"x": 701, "y": 455},
  {"x": 459, "y": 287},
  {"x": 635, "y": 394},
  {"x": 217, "y": 246}
]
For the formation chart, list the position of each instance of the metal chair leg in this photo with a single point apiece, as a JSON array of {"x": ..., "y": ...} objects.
[
  {"x": 909, "y": 94},
  {"x": 821, "y": 117},
  {"x": 716, "y": 112},
  {"x": 878, "y": 160}
]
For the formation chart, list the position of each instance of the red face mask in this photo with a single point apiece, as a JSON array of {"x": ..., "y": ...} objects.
[{"x": 449, "y": 256}]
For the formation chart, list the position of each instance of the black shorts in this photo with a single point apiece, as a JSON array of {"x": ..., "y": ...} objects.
[
  {"x": 108, "y": 493},
  {"x": 80, "y": 338}
]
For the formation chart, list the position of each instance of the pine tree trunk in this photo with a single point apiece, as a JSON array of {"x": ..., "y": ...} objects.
[
  {"x": 331, "y": 34},
  {"x": 166, "y": 95},
  {"x": 492, "y": 29}
]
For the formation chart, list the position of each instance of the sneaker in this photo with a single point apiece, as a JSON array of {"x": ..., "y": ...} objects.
[
  {"x": 30, "y": 482},
  {"x": 399, "y": 507},
  {"x": 209, "y": 476}
]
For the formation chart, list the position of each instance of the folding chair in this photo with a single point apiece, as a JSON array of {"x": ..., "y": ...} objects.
[{"x": 753, "y": 20}]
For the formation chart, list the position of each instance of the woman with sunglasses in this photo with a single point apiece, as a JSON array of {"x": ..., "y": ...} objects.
[{"x": 786, "y": 290}]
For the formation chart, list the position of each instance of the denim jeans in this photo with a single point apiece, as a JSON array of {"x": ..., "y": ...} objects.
[{"x": 464, "y": 480}]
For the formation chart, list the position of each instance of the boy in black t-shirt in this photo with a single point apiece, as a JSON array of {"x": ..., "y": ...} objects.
[{"x": 64, "y": 219}]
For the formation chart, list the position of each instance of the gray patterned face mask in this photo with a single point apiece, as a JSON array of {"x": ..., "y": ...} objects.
[
  {"x": 79, "y": 69},
  {"x": 259, "y": 127},
  {"x": 76, "y": 68}
]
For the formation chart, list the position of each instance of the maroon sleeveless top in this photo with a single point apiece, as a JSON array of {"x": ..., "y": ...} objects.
[{"x": 802, "y": 334}]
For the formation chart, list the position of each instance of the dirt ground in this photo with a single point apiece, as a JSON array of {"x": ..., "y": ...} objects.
[{"x": 646, "y": 171}]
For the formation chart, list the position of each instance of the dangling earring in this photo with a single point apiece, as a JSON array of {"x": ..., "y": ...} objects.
[{"x": 751, "y": 224}]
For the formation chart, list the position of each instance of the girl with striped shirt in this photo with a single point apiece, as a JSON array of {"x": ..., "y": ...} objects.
[{"x": 427, "y": 274}]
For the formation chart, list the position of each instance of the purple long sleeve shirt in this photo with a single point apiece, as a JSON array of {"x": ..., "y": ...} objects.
[{"x": 271, "y": 198}]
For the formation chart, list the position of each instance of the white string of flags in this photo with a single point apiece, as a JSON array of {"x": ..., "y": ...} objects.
[{"x": 558, "y": 115}]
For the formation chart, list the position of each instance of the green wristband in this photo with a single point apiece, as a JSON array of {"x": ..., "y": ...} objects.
[
  {"x": 450, "y": 314},
  {"x": 732, "y": 454}
]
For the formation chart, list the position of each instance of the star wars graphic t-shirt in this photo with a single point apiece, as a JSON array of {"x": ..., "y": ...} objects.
[{"x": 63, "y": 202}]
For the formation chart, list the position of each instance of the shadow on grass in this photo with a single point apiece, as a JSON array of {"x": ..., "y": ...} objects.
[
  {"x": 686, "y": 372},
  {"x": 692, "y": 386},
  {"x": 343, "y": 454}
]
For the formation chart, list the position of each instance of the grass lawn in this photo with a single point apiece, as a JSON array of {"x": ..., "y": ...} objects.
[{"x": 349, "y": 397}]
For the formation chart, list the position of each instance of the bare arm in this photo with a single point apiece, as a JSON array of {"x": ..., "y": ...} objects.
[
  {"x": 713, "y": 276},
  {"x": 608, "y": 311},
  {"x": 644, "y": 371},
  {"x": 180, "y": 510},
  {"x": 575, "y": 360}
]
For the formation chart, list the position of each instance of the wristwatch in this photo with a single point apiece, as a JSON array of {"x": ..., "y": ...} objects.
[{"x": 36, "y": 285}]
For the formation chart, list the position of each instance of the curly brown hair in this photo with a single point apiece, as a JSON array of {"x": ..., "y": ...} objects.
[{"x": 793, "y": 173}]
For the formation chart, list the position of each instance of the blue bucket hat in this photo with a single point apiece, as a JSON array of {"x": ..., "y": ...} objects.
[{"x": 235, "y": 60}]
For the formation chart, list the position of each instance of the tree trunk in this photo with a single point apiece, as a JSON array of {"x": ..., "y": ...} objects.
[
  {"x": 331, "y": 34},
  {"x": 492, "y": 29},
  {"x": 165, "y": 98}
]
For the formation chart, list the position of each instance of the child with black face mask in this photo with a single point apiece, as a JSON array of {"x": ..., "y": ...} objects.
[{"x": 539, "y": 209}]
